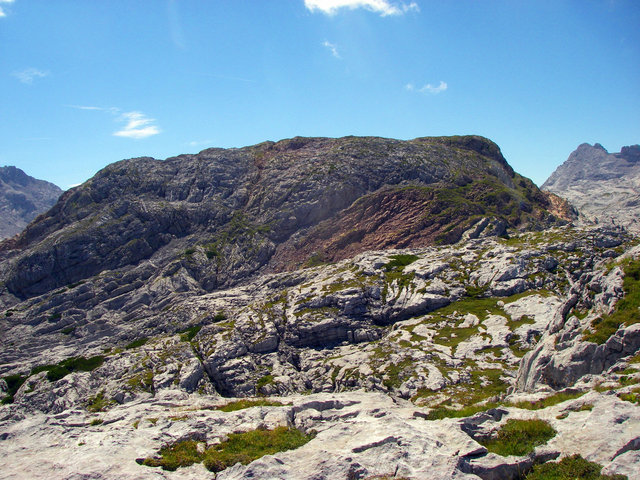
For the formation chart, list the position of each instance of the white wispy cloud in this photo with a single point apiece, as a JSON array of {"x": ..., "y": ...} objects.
[
  {"x": 138, "y": 125},
  {"x": 28, "y": 75},
  {"x": 428, "y": 88},
  {"x": 383, "y": 7},
  {"x": 2, "y": 12},
  {"x": 199, "y": 143},
  {"x": 333, "y": 48},
  {"x": 111, "y": 110}
]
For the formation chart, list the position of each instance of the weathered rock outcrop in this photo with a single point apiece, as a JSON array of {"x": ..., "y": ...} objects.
[
  {"x": 605, "y": 187},
  {"x": 22, "y": 198},
  {"x": 244, "y": 209},
  {"x": 196, "y": 297}
]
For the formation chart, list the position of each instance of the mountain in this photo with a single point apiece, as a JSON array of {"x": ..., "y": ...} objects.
[
  {"x": 222, "y": 215},
  {"x": 605, "y": 187},
  {"x": 375, "y": 308},
  {"x": 22, "y": 198}
]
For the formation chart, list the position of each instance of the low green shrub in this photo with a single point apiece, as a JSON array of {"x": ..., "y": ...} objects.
[
  {"x": 570, "y": 468},
  {"x": 519, "y": 437},
  {"x": 14, "y": 382},
  {"x": 70, "y": 365}
]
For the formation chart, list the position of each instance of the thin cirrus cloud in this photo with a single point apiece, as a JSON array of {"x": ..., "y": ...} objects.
[
  {"x": 332, "y": 47},
  {"x": 28, "y": 75},
  {"x": 3, "y": 13},
  {"x": 383, "y": 7},
  {"x": 137, "y": 125},
  {"x": 428, "y": 88}
]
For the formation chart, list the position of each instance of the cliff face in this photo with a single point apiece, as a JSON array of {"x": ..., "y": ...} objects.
[
  {"x": 249, "y": 208},
  {"x": 605, "y": 187},
  {"x": 22, "y": 198}
]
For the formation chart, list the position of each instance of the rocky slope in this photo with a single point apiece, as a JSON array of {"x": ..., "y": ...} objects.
[
  {"x": 605, "y": 187},
  {"x": 22, "y": 198},
  {"x": 413, "y": 331},
  {"x": 400, "y": 361},
  {"x": 254, "y": 208}
]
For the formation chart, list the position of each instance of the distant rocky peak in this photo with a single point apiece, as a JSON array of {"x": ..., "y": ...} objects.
[{"x": 630, "y": 153}]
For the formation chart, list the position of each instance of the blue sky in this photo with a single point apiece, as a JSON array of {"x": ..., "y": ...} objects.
[{"x": 84, "y": 83}]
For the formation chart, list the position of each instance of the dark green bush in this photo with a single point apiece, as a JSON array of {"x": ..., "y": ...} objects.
[{"x": 14, "y": 382}]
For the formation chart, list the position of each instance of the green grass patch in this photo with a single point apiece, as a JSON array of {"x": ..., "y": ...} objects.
[
  {"x": 248, "y": 403},
  {"x": 519, "y": 437},
  {"x": 96, "y": 421},
  {"x": 249, "y": 446},
  {"x": 263, "y": 381},
  {"x": 70, "y": 365},
  {"x": 549, "y": 401},
  {"x": 181, "y": 454},
  {"x": 239, "y": 448},
  {"x": 14, "y": 382},
  {"x": 626, "y": 311},
  {"x": 99, "y": 403},
  {"x": 441, "y": 411},
  {"x": 187, "y": 334},
  {"x": 398, "y": 262},
  {"x": 570, "y": 468},
  {"x": 633, "y": 396},
  {"x": 136, "y": 343}
]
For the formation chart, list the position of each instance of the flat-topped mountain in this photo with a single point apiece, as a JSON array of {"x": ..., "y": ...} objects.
[
  {"x": 22, "y": 198},
  {"x": 222, "y": 215},
  {"x": 603, "y": 186}
]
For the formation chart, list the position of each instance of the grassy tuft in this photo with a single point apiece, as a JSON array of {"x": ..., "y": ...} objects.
[
  {"x": 570, "y": 468},
  {"x": 181, "y": 454},
  {"x": 14, "y": 382},
  {"x": 137, "y": 343},
  {"x": 70, "y": 365},
  {"x": 249, "y": 446},
  {"x": 519, "y": 437},
  {"x": 99, "y": 403},
  {"x": 248, "y": 403},
  {"x": 633, "y": 396},
  {"x": 398, "y": 262},
  {"x": 627, "y": 309},
  {"x": 187, "y": 334},
  {"x": 239, "y": 448},
  {"x": 549, "y": 401},
  {"x": 441, "y": 411}
]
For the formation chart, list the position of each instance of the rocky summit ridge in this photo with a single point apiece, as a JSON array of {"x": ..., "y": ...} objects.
[
  {"x": 22, "y": 198},
  {"x": 163, "y": 310},
  {"x": 603, "y": 186}
]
